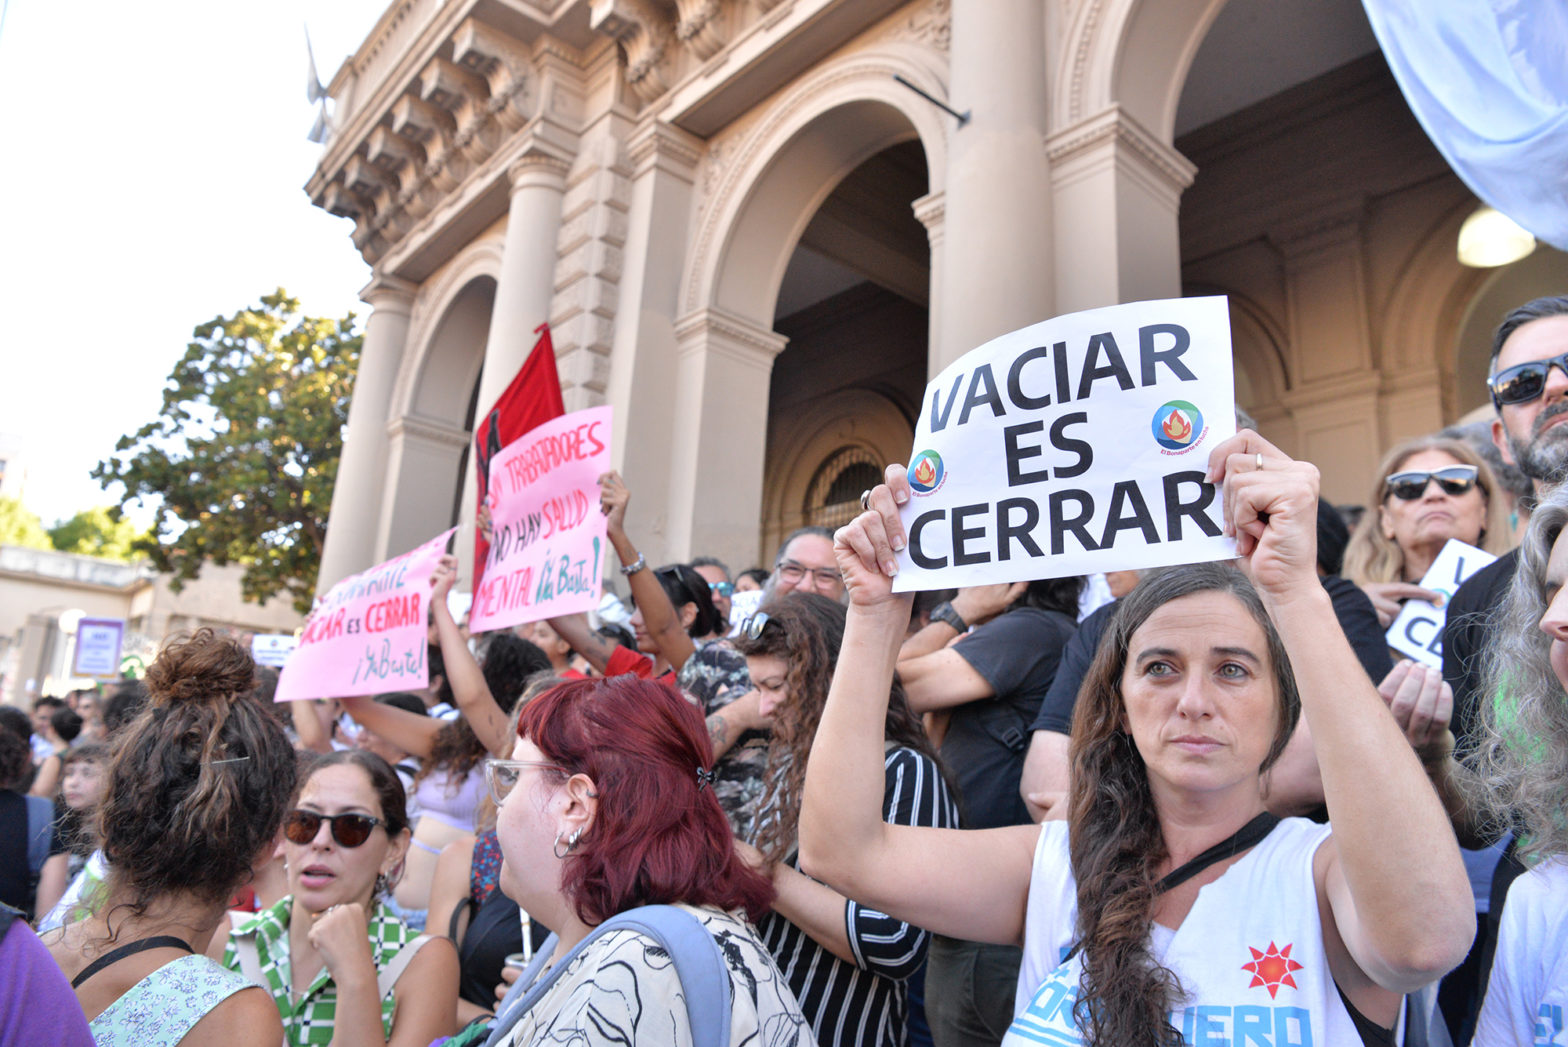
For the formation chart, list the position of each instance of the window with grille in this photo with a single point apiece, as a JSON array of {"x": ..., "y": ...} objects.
[{"x": 833, "y": 499}]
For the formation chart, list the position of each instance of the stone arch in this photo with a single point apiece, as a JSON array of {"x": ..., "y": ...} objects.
[
  {"x": 859, "y": 418},
  {"x": 429, "y": 482},
  {"x": 1133, "y": 54},
  {"x": 783, "y": 168},
  {"x": 448, "y": 298}
]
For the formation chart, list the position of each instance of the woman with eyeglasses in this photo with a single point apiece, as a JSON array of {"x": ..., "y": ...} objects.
[
  {"x": 1428, "y": 490},
  {"x": 341, "y": 967},
  {"x": 606, "y": 808},
  {"x": 196, "y": 788},
  {"x": 846, "y": 963}
]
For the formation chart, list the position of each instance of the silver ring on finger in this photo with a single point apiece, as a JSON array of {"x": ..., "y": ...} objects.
[
  {"x": 1257, "y": 460},
  {"x": 865, "y": 500}
]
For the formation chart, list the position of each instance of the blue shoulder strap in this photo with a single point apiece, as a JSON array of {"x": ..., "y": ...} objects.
[
  {"x": 40, "y": 822},
  {"x": 705, "y": 980}
]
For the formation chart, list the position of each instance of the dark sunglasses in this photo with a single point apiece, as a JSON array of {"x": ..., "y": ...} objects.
[
  {"x": 1453, "y": 479},
  {"x": 1523, "y": 383},
  {"x": 349, "y": 830},
  {"x": 724, "y": 589}
]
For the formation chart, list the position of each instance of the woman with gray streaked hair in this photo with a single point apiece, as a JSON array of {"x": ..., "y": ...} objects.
[{"x": 1520, "y": 777}]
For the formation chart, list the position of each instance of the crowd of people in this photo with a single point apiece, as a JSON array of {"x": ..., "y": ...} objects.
[{"x": 1193, "y": 805}]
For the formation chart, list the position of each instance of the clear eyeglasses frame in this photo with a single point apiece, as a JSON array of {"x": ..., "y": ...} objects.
[{"x": 502, "y": 776}]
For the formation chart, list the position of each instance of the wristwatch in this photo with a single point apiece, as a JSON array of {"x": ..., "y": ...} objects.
[
  {"x": 635, "y": 566},
  {"x": 943, "y": 612}
]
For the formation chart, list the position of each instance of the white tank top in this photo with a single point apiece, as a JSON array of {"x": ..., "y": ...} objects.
[{"x": 1249, "y": 955}]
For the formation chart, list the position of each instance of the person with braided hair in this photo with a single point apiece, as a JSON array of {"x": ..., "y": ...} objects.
[
  {"x": 1170, "y": 907},
  {"x": 197, "y": 787}
]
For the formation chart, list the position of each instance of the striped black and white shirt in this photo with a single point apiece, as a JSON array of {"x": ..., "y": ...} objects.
[{"x": 866, "y": 1003}]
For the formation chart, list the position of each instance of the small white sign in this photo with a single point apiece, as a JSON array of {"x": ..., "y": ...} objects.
[
  {"x": 1418, "y": 631},
  {"x": 98, "y": 642},
  {"x": 273, "y": 648}
]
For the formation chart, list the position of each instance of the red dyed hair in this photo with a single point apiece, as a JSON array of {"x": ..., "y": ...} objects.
[{"x": 657, "y": 838}]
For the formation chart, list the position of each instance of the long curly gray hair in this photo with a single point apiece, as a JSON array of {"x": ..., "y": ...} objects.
[{"x": 1520, "y": 763}]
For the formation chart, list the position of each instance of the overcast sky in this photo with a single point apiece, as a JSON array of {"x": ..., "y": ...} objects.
[{"x": 154, "y": 161}]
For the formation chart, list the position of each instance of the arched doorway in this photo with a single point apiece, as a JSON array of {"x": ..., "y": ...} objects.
[
  {"x": 808, "y": 240},
  {"x": 853, "y": 303},
  {"x": 429, "y": 484}
]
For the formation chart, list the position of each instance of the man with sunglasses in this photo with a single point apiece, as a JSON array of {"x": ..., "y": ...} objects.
[{"x": 1529, "y": 388}]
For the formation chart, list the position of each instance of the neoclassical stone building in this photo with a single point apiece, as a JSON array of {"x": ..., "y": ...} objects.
[{"x": 755, "y": 228}]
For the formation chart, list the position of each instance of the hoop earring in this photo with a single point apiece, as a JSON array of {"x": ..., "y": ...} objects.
[{"x": 571, "y": 843}]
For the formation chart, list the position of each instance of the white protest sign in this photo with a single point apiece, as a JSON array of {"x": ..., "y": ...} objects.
[
  {"x": 1073, "y": 446},
  {"x": 1418, "y": 631},
  {"x": 98, "y": 643},
  {"x": 272, "y": 648}
]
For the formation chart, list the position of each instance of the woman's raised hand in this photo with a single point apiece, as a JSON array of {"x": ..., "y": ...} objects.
[
  {"x": 1271, "y": 507},
  {"x": 442, "y": 579},
  {"x": 613, "y": 498},
  {"x": 867, "y": 547}
]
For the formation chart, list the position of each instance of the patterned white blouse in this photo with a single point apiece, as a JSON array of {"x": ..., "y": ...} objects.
[{"x": 623, "y": 989}]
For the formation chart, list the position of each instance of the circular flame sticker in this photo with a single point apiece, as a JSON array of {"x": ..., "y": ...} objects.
[
  {"x": 926, "y": 472},
  {"x": 1177, "y": 424}
]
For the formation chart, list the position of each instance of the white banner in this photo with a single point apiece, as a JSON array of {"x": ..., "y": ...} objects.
[
  {"x": 1418, "y": 631},
  {"x": 1073, "y": 446}
]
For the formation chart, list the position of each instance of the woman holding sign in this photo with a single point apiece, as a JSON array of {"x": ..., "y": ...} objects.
[
  {"x": 1428, "y": 490},
  {"x": 1170, "y": 906}
]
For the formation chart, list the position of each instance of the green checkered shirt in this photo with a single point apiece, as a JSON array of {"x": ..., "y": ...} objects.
[{"x": 309, "y": 1020}]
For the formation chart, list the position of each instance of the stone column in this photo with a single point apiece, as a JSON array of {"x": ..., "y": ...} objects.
[
  {"x": 362, "y": 469},
  {"x": 642, "y": 385},
  {"x": 1116, "y": 188},
  {"x": 930, "y": 211},
  {"x": 996, "y": 255},
  {"x": 723, "y": 370},
  {"x": 526, "y": 284}
]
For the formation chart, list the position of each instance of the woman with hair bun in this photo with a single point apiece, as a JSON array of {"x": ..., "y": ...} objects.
[
  {"x": 197, "y": 788},
  {"x": 341, "y": 967}
]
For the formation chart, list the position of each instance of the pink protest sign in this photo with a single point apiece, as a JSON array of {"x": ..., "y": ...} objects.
[
  {"x": 367, "y": 635},
  {"x": 547, "y": 539}
]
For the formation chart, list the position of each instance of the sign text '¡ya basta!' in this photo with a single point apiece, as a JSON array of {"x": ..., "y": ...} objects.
[{"x": 1036, "y": 379}]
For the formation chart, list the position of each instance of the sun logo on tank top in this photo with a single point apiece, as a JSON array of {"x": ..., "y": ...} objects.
[{"x": 1271, "y": 969}]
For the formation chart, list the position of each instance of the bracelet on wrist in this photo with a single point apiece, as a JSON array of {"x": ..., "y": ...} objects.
[{"x": 635, "y": 566}]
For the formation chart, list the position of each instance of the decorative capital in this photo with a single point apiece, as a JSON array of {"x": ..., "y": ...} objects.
[
  {"x": 658, "y": 144},
  {"x": 389, "y": 294},
  {"x": 931, "y": 211},
  {"x": 537, "y": 165},
  {"x": 1113, "y": 128}
]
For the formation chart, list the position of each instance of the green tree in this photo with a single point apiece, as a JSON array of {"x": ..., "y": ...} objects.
[
  {"x": 21, "y": 526},
  {"x": 244, "y": 452},
  {"x": 98, "y": 531}
]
